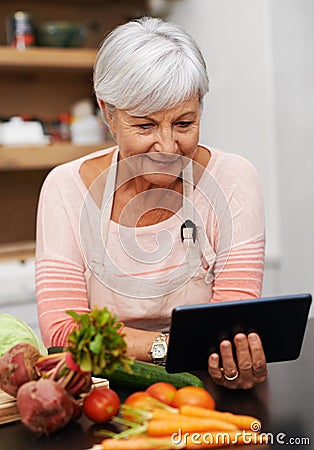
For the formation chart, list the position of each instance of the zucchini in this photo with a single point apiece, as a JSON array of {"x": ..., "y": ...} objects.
[{"x": 144, "y": 374}]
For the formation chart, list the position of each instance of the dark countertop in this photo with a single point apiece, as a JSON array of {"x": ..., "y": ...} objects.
[{"x": 284, "y": 403}]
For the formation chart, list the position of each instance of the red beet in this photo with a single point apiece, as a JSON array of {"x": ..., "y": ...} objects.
[
  {"x": 17, "y": 366},
  {"x": 45, "y": 406}
]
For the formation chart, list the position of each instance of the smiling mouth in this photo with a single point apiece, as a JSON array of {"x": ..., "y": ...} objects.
[{"x": 164, "y": 161}]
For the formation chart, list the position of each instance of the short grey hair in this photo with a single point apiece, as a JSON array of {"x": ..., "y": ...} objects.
[{"x": 147, "y": 65}]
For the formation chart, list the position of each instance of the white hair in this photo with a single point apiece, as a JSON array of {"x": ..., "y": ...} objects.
[{"x": 148, "y": 65}]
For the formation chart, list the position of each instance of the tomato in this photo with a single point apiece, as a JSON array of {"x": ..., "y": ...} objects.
[
  {"x": 162, "y": 391},
  {"x": 193, "y": 395},
  {"x": 101, "y": 404},
  {"x": 141, "y": 400}
]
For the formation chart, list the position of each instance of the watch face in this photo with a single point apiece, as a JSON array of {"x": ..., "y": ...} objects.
[{"x": 159, "y": 350}]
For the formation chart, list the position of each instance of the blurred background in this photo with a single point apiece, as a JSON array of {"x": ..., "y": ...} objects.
[{"x": 260, "y": 60}]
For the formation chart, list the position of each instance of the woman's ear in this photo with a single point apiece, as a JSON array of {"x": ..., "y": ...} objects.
[
  {"x": 105, "y": 112},
  {"x": 103, "y": 107}
]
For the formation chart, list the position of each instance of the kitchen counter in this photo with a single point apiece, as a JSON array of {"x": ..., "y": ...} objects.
[{"x": 284, "y": 403}]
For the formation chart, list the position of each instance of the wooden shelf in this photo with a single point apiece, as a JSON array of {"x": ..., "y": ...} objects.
[
  {"x": 44, "y": 157},
  {"x": 42, "y": 82},
  {"x": 46, "y": 57},
  {"x": 17, "y": 251}
]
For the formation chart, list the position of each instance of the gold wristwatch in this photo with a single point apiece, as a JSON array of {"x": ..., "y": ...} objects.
[{"x": 158, "y": 352}]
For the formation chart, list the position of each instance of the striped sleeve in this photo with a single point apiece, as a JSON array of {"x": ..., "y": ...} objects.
[
  {"x": 239, "y": 274},
  {"x": 60, "y": 286},
  {"x": 59, "y": 275},
  {"x": 240, "y": 233}
]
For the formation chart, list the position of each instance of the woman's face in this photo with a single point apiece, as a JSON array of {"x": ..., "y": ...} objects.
[{"x": 154, "y": 146}]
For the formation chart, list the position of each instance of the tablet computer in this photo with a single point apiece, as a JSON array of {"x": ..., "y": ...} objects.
[{"x": 197, "y": 330}]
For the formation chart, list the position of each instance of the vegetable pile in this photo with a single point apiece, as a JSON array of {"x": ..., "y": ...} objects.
[
  {"x": 47, "y": 388},
  {"x": 163, "y": 417}
]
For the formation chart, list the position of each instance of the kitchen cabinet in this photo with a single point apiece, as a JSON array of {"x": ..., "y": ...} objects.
[{"x": 43, "y": 82}]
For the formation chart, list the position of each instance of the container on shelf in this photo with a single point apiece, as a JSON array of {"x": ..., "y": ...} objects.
[
  {"x": 86, "y": 127},
  {"x": 22, "y": 132},
  {"x": 59, "y": 129},
  {"x": 20, "y": 30},
  {"x": 64, "y": 119},
  {"x": 61, "y": 33}
]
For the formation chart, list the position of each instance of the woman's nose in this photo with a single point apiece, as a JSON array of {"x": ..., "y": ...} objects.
[{"x": 166, "y": 142}]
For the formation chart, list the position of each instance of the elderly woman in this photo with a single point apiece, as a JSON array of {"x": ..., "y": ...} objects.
[{"x": 159, "y": 220}]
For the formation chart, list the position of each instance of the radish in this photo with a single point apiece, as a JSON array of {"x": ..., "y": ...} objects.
[
  {"x": 17, "y": 366},
  {"x": 45, "y": 406}
]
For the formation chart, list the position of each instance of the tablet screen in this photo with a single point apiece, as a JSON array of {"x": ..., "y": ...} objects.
[{"x": 197, "y": 330}]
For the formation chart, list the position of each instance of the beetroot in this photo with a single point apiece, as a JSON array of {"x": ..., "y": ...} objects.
[
  {"x": 17, "y": 366},
  {"x": 61, "y": 368},
  {"x": 45, "y": 406}
]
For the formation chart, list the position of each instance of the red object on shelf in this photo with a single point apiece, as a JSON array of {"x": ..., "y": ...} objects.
[{"x": 20, "y": 32}]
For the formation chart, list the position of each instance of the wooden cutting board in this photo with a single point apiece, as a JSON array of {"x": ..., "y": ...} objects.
[{"x": 8, "y": 407}]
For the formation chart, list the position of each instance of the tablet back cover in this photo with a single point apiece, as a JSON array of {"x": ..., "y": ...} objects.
[{"x": 197, "y": 330}]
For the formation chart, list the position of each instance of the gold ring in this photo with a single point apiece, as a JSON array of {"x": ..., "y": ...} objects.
[{"x": 234, "y": 377}]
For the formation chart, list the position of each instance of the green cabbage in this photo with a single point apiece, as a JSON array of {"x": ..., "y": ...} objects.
[{"x": 14, "y": 331}]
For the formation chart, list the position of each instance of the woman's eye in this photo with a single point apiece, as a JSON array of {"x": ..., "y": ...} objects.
[
  {"x": 144, "y": 126},
  {"x": 184, "y": 124}
]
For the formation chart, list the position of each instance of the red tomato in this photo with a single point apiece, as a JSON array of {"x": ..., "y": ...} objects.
[
  {"x": 162, "y": 391},
  {"x": 193, "y": 395},
  {"x": 101, "y": 404}
]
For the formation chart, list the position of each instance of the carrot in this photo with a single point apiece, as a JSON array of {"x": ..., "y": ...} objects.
[
  {"x": 159, "y": 414},
  {"x": 165, "y": 427},
  {"x": 189, "y": 441},
  {"x": 243, "y": 422},
  {"x": 186, "y": 411},
  {"x": 219, "y": 439},
  {"x": 140, "y": 443}
]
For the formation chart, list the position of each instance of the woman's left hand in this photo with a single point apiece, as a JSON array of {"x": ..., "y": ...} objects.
[{"x": 247, "y": 370}]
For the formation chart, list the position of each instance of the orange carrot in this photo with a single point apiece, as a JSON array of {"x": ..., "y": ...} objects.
[
  {"x": 241, "y": 421},
  {"x": 165, "y": 415},
  {"x": 140, "y": 443},
  {"x": 141, "y": 415},
  {"x": 165, "y": 427},
  {"x": 189, "y": 441}
]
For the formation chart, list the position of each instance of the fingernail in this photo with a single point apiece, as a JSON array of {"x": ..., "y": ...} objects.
[{"x": 253, "y": 338}]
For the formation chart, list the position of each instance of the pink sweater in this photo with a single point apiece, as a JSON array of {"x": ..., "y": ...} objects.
[{"x": 64, "y": 281}]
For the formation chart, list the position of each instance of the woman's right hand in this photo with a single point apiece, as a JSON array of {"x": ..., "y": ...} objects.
[{"x": 243, "y": 372}]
